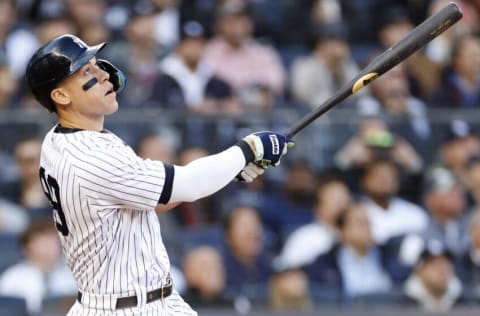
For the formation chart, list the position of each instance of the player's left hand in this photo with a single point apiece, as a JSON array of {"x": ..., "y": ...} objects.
[{"x": 268, "y": 147}]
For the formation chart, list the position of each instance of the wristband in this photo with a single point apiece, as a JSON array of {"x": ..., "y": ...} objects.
[{"x": 246, "y": 150}]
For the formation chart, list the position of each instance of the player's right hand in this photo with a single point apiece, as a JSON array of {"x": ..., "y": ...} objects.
[
  {"x": 268, "y": 147},
  {"x": 250, "y": 172}
]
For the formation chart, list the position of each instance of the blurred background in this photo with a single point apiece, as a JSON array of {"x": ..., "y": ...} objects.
[{"x": 375, "y": 208}]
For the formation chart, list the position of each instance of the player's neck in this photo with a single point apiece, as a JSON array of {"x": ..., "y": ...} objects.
[{"x": 86, "y": 124}]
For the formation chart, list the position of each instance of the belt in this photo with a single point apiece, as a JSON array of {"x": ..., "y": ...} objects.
[{"x": 132, "y": 301}]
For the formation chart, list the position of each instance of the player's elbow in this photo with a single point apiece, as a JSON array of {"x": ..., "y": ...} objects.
[{"x": 162, "y": 208}]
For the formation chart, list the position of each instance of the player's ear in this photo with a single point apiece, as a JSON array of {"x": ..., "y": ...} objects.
[{"x": 60, "y": 96}]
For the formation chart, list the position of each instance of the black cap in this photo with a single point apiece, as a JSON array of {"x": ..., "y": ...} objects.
[
  {"x": 191, "y": 29},
  {"x": 457, "y": 129},
  {"x": 391, "y": 15},
  {"x": 232, "y": 8},
  {"x": 326, "y": 31},
  {"x": 141, "y": 8}
]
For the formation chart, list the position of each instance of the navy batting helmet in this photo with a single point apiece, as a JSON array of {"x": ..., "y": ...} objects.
[{"x": 59, "y": 59}]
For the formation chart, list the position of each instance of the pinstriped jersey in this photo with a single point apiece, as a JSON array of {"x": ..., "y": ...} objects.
[{"x": 103, "y": 197}]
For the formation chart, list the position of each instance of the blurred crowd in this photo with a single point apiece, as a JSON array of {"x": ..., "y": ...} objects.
[{"x": 394, "y": 214}]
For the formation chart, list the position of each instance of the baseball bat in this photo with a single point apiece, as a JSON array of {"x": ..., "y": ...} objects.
[{"x": 414, "y": 40}]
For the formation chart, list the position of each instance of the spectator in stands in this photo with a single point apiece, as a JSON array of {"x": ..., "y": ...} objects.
[
  {"x": 434, "y": 286},
  {"x": 42, "y": 274},
  {"x": 291, "y": 205},
  {"x": 35, "y": 11},
  {"x": 359, "y": 16},
  {"x": 329, "y": 66},
  {"x": 28, "y": 191},
  {"x": 390, "y": 215},
  {"x": 440, "y": 49},
  {"x": 253, "y": 70},
  {"x": 154, "y": 146},
  {"x": 469, "y": 264},
  {"x": 375, "y": 140},
  {"x": 138, "y": 55},
  {"x": 201, "y": 212},
  {"x": 394, "y": 24},
  {"x": 88, "y": 17},
  {"x": 445, "y": 202},
  {"x": 459, "y": 145},
  {"x": 13, "y": 217},
  {"x": 27, "y": 157},
  {"x": 473, "y": 12},
  {"x": 205, "y": 275},
  {"x": 8, "y": 168},
  {"x": 187, "y": 82},
  {"x": 444, "y": 198},
  {"x": 289, "y": 290},
  {"x": 254, "y": 193},
  {"x": 421, "y": 71},
  {"x": 189, "y": 154},
  {"x": 353, "y": 268},
  {"x": 167, "y": 20},
  {"x": 391, "y": 97},
  {"x": 309, "y": 241},
  {"x": 50, "y": 28},
  {"x": 460, "y": 85},
  {"x": 8, "y": 87},
  {"x": 17, "y": 44},
  {"x": 472, "y": 181},
  {"x": 248, "y": 266},
  {"x": 203, "y": 12},
  {"x": 300, "y": 17}
]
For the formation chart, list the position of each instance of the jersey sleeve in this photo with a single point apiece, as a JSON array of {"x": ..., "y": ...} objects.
[{"x": 117, "y": 178}]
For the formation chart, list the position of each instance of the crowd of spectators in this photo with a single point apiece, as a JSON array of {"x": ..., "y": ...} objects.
[{"x": 392, "y": 216}]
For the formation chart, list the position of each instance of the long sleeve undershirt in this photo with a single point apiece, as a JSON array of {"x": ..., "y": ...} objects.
[{"x": 207, "y": 175}]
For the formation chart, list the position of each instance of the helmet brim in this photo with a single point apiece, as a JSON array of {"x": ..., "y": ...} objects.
[{"x": 88, "y": 54}]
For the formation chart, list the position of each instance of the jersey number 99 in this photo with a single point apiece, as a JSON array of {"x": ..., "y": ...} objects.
[{"x": 52, "y": 191}]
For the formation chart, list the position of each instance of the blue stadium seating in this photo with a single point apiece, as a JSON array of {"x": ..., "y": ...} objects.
[
  {"x": 13, "y": 306},
  {"x": 10, "y": 250}
]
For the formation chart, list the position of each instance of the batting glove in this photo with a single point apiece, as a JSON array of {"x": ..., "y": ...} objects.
[
  {"x": 250, "y": 172},
  {"x": 265, "y": 149},
  {"x": 269, "y": 147}
]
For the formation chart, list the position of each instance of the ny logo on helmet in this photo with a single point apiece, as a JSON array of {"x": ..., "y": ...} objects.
[{"x": 79, "y": 42}]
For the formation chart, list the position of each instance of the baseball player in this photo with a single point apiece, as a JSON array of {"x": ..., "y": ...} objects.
[{"x": 104, "y": 196}]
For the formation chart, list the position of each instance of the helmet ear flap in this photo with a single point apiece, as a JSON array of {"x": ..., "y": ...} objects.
[{"x": 117, "y": 78}]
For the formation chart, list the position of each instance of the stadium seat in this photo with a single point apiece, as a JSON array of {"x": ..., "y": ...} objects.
[
  {"x": 324, "y": 295},
  {"x": 59, "y": 305},
  {"x": 211, "y": 235},
  {"x": 13, "y": 306},
  {"x": 393, "y": 297},
  {"x": 10, "y": 248}
]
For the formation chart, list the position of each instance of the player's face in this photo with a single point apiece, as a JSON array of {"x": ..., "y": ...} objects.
[{"x": 98, "y": 100}]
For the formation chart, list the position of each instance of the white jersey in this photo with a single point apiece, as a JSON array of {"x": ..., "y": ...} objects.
[{"x": 103, "y": 196}]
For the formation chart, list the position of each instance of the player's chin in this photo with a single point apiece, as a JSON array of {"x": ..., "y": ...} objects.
[{"x": 111, "y": 107}]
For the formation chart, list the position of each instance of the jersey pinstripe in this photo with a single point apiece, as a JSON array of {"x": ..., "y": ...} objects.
[{"x": 103, "y": 196}]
